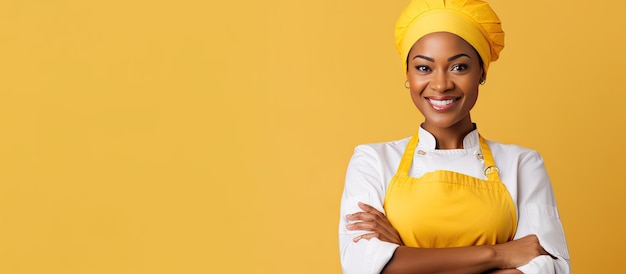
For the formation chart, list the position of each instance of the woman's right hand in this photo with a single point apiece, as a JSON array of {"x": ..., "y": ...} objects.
[{"x": 518, "y": 252}]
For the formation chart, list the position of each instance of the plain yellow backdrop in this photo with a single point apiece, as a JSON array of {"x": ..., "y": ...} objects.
[{"x": 213, "y": 136}]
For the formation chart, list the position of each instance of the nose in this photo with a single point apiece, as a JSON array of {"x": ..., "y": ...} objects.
[{"x": 440, "y": 82}]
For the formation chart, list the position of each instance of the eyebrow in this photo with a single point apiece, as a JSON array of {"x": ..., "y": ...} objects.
[{"x": 449, "y": 59}]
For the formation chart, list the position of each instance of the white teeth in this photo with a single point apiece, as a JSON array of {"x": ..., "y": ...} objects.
[{"x": 441, "y": 102}]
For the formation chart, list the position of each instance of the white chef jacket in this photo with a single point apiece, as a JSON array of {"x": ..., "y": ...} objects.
[{"x": 521, "y": 170}]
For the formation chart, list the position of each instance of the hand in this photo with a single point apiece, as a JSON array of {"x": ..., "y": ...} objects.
[
  {"x": 519, "y": 252},
  {"x": 374, "y": 221}
]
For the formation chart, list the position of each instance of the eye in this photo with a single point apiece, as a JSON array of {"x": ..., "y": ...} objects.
[
  {"x": 459, "y": 67},
  {"x": 422, "y": 68}
]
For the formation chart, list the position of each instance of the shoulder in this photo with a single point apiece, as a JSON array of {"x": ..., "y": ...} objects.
[
  {"x": 522, "y": 166},
  {"x": 382, "y": 149},
  {"x": 523, "y": 171},
  {"x": 377, "y": 160},
  {"x": 370, "y": 169},
  {"x": 512, "y": 152}
]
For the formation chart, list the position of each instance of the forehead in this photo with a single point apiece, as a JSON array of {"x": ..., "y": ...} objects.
[{"x": 441, "y": 43}]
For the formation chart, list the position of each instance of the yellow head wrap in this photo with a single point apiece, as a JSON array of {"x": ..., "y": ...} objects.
[{"x": 472, "y": 20}]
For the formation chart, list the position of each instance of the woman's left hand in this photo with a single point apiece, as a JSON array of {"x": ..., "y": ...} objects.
[{"x": 374, "y": 221}]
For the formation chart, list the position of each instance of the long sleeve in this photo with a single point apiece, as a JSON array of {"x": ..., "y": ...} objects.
[
  {"x": 538, "y": 215},
  {"x": 522, "y": 171},
  {"x": 364, "y": 183}
]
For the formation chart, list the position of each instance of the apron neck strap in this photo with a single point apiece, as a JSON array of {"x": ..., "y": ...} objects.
[
  {"x": 407, "y": 157},
  {"x": 491, "y": 170}
]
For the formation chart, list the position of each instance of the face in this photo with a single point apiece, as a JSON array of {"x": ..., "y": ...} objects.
[{"x": 444, "y": 72}]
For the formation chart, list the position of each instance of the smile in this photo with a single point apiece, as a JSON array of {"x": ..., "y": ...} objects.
[{"x": 441, "y": 105}]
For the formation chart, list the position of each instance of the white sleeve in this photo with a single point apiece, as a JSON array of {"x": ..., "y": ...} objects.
[
  {"x": 538, "y": 215},
  {"x": 363, "y": 183}
]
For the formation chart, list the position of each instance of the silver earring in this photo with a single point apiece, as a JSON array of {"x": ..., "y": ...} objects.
[
  {"x": 407, "y": 85},
  {"x": 482, "y": 81}
]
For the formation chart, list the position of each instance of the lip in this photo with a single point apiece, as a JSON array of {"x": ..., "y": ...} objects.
[{"x": 442, "y": 103}]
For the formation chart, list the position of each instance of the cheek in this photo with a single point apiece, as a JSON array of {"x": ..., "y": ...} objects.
[
  {"x": 417, "y": 84},
  {"x": 470, "y": 85},
  {"x": 416, "y": 98},
  {"x": 472, "y": 97}
]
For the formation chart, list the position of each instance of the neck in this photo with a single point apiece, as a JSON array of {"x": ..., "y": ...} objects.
[{"x": 450, "y": 137}]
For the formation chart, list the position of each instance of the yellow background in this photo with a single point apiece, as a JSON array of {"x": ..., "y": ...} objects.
[{"x": 213, "y": 136}]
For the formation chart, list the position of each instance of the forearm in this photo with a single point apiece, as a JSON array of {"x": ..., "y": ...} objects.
[{"x": 471, "y": 259}]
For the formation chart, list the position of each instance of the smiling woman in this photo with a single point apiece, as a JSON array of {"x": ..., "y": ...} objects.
[
  {"x": 446, "y": 199},
  {"x": 443, "y": 74}
]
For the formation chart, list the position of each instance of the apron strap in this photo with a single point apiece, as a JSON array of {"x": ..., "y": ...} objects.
[
  {"x": 407, "y": 157},
  {"x": 491, "y": 170}
]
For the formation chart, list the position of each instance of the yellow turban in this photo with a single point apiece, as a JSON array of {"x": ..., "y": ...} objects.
[{"x": 472, "y": 20}]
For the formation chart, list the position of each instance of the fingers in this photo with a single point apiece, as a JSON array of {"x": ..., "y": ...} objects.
[
  {"x": 362, "y": 216},
  {"x": 532, "y": 238},
  {"x": 371, "y": 221},
  {"x": 369, "y": 236},
  {"x": 366, "y": 237},
  {"x": 379, "y": 236},
  {"x": 369, "y": 214},
  {"x": 519, "y": 252},
  {"x": 371, "y": 226},
  {"x": 544, "y": 252},
  {"x": 374, "y": 221},
  {"x": 370, "y": 209}
]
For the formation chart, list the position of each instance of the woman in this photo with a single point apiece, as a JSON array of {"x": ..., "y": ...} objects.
[{"x": 446, "y": 200}]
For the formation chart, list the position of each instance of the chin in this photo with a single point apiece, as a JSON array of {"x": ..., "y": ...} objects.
[{"x": 446, "y": 122}]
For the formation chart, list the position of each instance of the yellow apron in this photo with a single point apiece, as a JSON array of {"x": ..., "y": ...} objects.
[{"x": 448, "y": 209}]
